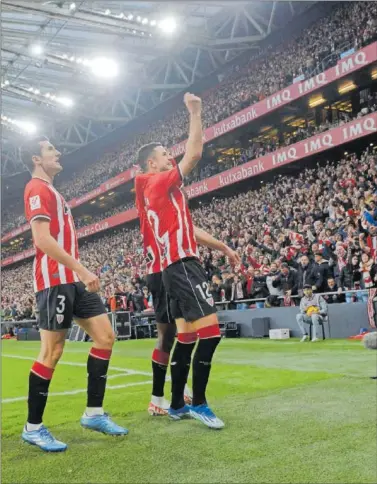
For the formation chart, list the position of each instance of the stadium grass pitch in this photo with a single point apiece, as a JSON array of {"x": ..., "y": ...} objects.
[{"x": 294, "y": 413}]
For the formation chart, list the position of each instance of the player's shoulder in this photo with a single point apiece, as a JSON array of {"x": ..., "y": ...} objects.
[
  {"x": 142, "y": 179},
  {"x": 36, "y": 184}
]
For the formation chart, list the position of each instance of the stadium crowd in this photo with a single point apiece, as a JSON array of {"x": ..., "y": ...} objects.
[
  {"x": 319, "y": 228},
  {"x": 208, "y": 167},
  {"x": 350, "y": 25}
]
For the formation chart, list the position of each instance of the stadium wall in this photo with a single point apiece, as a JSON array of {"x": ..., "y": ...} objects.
[{"x": 344, "y": 320}]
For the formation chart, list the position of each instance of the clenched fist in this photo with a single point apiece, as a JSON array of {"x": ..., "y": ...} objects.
[
  {"x": 90, "y": 280},
  {"x": 193, "y": 103}
]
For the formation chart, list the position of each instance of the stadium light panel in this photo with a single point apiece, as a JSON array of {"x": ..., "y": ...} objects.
[
  {"x": 138, "y": 18},
  {"x": 65, "y": 101},
  {"x": 145, "y": 21},
  {"x": 316, "y": 102},
  {"x": 27, "y": 126},
  {"x": 346, "y": 87},
  {"x": 104, "y": 67},
  {"x": 168, "y": 25},
  {"x": 153, "y": 23},
  {"x": 130, "y": 16},
  {"x": 36, "y": 49},
  {"x": 72, "y": 7},
  {"x": 107, "y": 11}
]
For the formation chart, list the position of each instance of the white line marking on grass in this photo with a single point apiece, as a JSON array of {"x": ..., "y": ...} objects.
[
  {"x": 70, "y": 363},
  {"x": 81, "y": 390}
]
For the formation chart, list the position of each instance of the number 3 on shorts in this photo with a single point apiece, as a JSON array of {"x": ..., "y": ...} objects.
[{"x": 61, "y": 306}]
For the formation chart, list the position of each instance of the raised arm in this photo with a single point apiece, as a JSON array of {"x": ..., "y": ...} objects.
[
  {"x": 206, "y": 239},
  {"x": 194, "y": 145},
  {"x": 45, "y": 242}
]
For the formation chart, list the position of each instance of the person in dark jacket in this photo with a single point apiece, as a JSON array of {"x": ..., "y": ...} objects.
[
  {"x": 305, "y": 270},
  {"x": 333, "y": 287},
  {"x": 287, "y": 280},
  {"x": 350, "y": 277},
  {"x": 216, "y": 289},
  {"x": 321, "y": 273},
  {"x": 138, "y": 299}
]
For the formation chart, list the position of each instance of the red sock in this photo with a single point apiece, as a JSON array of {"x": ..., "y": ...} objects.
[
  {"x": 187, "y": 338},
  {"x": 209, "y": 332}
]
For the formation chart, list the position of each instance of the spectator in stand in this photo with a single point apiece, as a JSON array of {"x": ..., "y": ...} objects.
[
  {"x": 287, "y": 282},
  {"x": 305, "y": 269},
  {"x": 321, "y": 273},
  {"x": 333, "y": 287},
  {"x": 239, "y": 291},
  {"x": 350, "y": 279}
]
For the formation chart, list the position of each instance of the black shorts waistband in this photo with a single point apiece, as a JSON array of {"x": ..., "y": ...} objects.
[{"x": 185, "y": 259}]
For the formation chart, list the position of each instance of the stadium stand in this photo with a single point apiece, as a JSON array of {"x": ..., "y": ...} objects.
[
  {"x": 316, "y": 49},
  {"x": 330, "y": 209}
]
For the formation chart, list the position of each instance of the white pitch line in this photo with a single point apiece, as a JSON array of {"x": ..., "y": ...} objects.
[
  {"x": 70, "y": 363},
  {"x": 81, "y": 390}
]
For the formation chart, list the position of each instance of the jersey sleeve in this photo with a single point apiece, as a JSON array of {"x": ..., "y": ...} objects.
[{"x": 38, "y": 203}]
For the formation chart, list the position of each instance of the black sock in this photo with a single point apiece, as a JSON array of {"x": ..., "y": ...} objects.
[
  {"x": 180, "y": 367},
  {"x": 202, "y": 367},
  {"x": 160, "y": 361},
  {"x": 97, "y": 366},
  {"x": 39, "y": 382}
]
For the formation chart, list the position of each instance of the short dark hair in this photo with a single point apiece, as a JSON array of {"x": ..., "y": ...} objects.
[
  {"x": 29, "y": 149},
  {"x": 145, "y": 152}
]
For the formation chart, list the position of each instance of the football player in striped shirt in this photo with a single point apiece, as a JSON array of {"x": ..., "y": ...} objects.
[{"x": 64, "y": 289}]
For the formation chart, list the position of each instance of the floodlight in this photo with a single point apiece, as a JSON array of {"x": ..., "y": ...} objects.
[
  {"x": 72, "y": 7},
  {"x": 138, "y": 18},
  {"x": 65, "y": 101},
  {"x": 27, "y": 126},
  {"x": 107, "y": 12},
  {"x": 153, "y": 23},
  {"x": 36, "y": 49},
  {"x": 104, "y": 67},
  {"x": 130, "y": 16},
  {"x": 168, "y": 25}
]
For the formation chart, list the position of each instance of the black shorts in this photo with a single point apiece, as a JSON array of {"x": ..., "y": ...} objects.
[
  {"x": 188, "y": 289},
  {"x": 58, "y": 305},
  {"x": 160, "y": 298}
]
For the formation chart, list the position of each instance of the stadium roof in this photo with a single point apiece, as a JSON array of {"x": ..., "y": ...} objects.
[{"x": 51, "y": 51}]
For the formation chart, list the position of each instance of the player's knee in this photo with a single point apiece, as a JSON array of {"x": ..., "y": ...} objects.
[
  {"x": 51, "y": 355},
  {"x": 105, "y": 340},
  {"x": 166, "y": 338}
]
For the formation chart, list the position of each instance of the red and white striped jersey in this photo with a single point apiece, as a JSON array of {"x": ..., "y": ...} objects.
[
  {"x": 162, "y": 199},
  {"x": 43, "y": 201},
  {"x": 151, "y": 248}
]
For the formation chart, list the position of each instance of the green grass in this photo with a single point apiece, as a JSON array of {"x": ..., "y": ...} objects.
[{"x": 294, "y": 413}]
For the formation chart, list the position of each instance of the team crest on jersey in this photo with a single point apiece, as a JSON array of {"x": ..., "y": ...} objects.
[
  {"x": 210, "y": 301},
  {"x": 35, "y": 202},
  {"x": 60, "y": 318}
]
